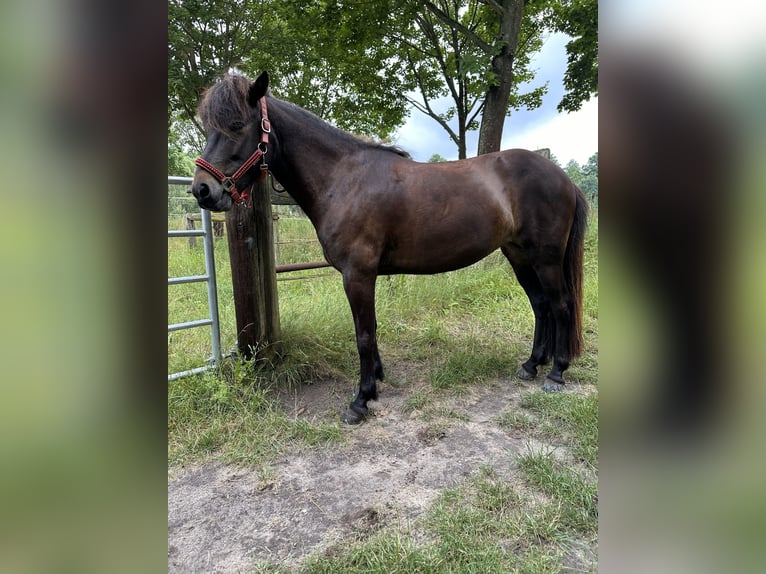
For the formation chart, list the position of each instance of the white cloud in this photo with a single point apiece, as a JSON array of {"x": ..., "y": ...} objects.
[
  {"x": 569, "y": 136},
  {"x": 423, "y": 137}
]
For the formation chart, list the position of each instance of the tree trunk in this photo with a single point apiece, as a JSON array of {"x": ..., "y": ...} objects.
[
  {"x": 496, "y": 101},
  {"x": 461, "y": 147}
]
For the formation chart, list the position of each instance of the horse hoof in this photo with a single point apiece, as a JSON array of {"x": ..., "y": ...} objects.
[
  {"x": 351, "y": 417},
  {"x": 551, "y": 386},
  {"x": 525, "y": 375}
]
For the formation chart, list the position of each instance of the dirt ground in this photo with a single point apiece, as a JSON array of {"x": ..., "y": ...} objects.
[{"x": 225, "y": 519}]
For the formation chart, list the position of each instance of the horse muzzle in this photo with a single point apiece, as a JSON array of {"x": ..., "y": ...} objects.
[{"x": 210, "y": 194}]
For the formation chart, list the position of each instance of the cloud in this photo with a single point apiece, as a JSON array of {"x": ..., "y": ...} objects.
[
  {"x": 569, "y": 136},
  {"x": 422, "y": 136}
]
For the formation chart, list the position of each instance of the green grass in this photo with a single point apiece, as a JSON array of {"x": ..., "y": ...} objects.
[
  {"x": 484, "y": 525},
  {"x": 575, "y": 498},
  {"x": 466, "y": 366},
  {"x": 563, "y": 418},
  {"x": 234, "y": 416}
]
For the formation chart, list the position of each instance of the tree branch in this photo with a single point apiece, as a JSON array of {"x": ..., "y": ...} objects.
[
  {"x": 429, "y": 112},
  {"x": 479, "y": 108},
  {"x": 414, "y": 47},
  {"x": 494, "y": 5},
  {"x": 425, "y": 107},
  {"x": 428, "y": 29},
  {"x": 489, "y": 49}
]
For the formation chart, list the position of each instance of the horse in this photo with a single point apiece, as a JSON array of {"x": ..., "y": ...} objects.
[{"x": 378, "y": 212}]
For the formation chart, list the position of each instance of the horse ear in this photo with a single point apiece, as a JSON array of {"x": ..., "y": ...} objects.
[{"x": 258, "y": 88}]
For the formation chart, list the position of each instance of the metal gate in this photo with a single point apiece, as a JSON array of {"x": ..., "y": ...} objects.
[{"x": 209, "y": 277}]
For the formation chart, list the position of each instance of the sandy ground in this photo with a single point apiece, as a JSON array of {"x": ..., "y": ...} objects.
[{"x": 225, "y": 519}]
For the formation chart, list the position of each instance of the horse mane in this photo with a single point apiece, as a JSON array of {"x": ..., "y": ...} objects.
[
  {"x": 377, "y": 144},
  {"x": 334, "y": 132},
  {"x": 396, "y": 149},
  {"x": 225, "y": 103}
]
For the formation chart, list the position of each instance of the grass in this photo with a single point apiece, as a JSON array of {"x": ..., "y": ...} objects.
[
  {"x": 446, "y": 333},
  {"x": 564, "y": 418},
  {"x": 234, "y": 416},
  {"x": 484, "y": 525},
  {"x": 573, "y": 416},
  {"x": 574, "y": 497}
]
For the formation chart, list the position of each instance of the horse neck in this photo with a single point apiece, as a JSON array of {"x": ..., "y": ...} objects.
[{"x": 307, "y": 152}]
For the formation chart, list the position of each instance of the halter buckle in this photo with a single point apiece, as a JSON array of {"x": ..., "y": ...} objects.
[
  {"x": 265, "y": 125},
  {"x": 228, "y": 184}
]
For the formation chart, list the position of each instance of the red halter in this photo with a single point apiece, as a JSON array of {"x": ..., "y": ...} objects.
[{"x": 230, "y": 183}]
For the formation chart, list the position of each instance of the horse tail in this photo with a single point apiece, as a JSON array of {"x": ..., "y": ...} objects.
[{"x": 573, "y": 271}]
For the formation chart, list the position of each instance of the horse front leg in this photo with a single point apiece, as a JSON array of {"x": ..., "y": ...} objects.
[{"x": 360, "y": 291}]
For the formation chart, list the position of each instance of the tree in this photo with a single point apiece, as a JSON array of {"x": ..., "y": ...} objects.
[
  {"x": 341, "y": 67},
  {"x": 436, "y": 158},
  {"x": 579, "y": 19},
  {"x": 585, "y": 176},
  {"x": 442, "y": 66},
  {"x": 452, "y": 49},
  {"x": 180, "y": 163},
  {"x": 205, "y": 39},
  {"x": 509, "y": 17},
  {"x": 574, "y": 172},
  {"x": 478, "y": 52},
  {"x": 356, "y": 62},
  {"x": 589, "y": 182}
]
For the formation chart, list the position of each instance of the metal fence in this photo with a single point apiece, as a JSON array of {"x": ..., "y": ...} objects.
[{"x": 206, "y": 233}]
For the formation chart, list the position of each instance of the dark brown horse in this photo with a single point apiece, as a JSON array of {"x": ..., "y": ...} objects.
[{"x": 377, "y": 212}]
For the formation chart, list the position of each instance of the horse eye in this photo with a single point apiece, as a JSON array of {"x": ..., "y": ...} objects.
[{"x": 236, "y": 126}]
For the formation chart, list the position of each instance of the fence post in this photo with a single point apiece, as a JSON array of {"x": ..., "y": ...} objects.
[
  {"x": 251, "y": 252},
  {"x": 190, "y": 226}
]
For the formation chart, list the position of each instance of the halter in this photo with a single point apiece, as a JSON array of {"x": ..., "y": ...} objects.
[{"x": 230, "y": 183}]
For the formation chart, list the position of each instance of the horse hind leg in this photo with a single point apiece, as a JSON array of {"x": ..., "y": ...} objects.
[
  {"x": 544, "y": 330},
  {"x": 551, "y": 277}
]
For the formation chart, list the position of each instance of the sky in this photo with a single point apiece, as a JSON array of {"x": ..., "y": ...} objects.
[{"x": 568, "y": 135}]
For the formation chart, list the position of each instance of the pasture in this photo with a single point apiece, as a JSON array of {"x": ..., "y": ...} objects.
[{"x": 459, "y": 468}]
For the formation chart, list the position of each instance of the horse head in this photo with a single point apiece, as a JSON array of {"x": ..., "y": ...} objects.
[{"x": 234, "y": 115}]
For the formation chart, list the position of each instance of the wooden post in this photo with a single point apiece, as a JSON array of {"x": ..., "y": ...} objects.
[
  {"x": 251, "y": 253},
  {"x": 275, "y": 223},
  {"x": 190, "y": 225}
]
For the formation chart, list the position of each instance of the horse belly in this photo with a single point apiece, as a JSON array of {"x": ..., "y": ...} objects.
[
  {"x": 443, "y": 249},
  {"x": 419, "y": 266},
  {"x": 445, "y": 221}
]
